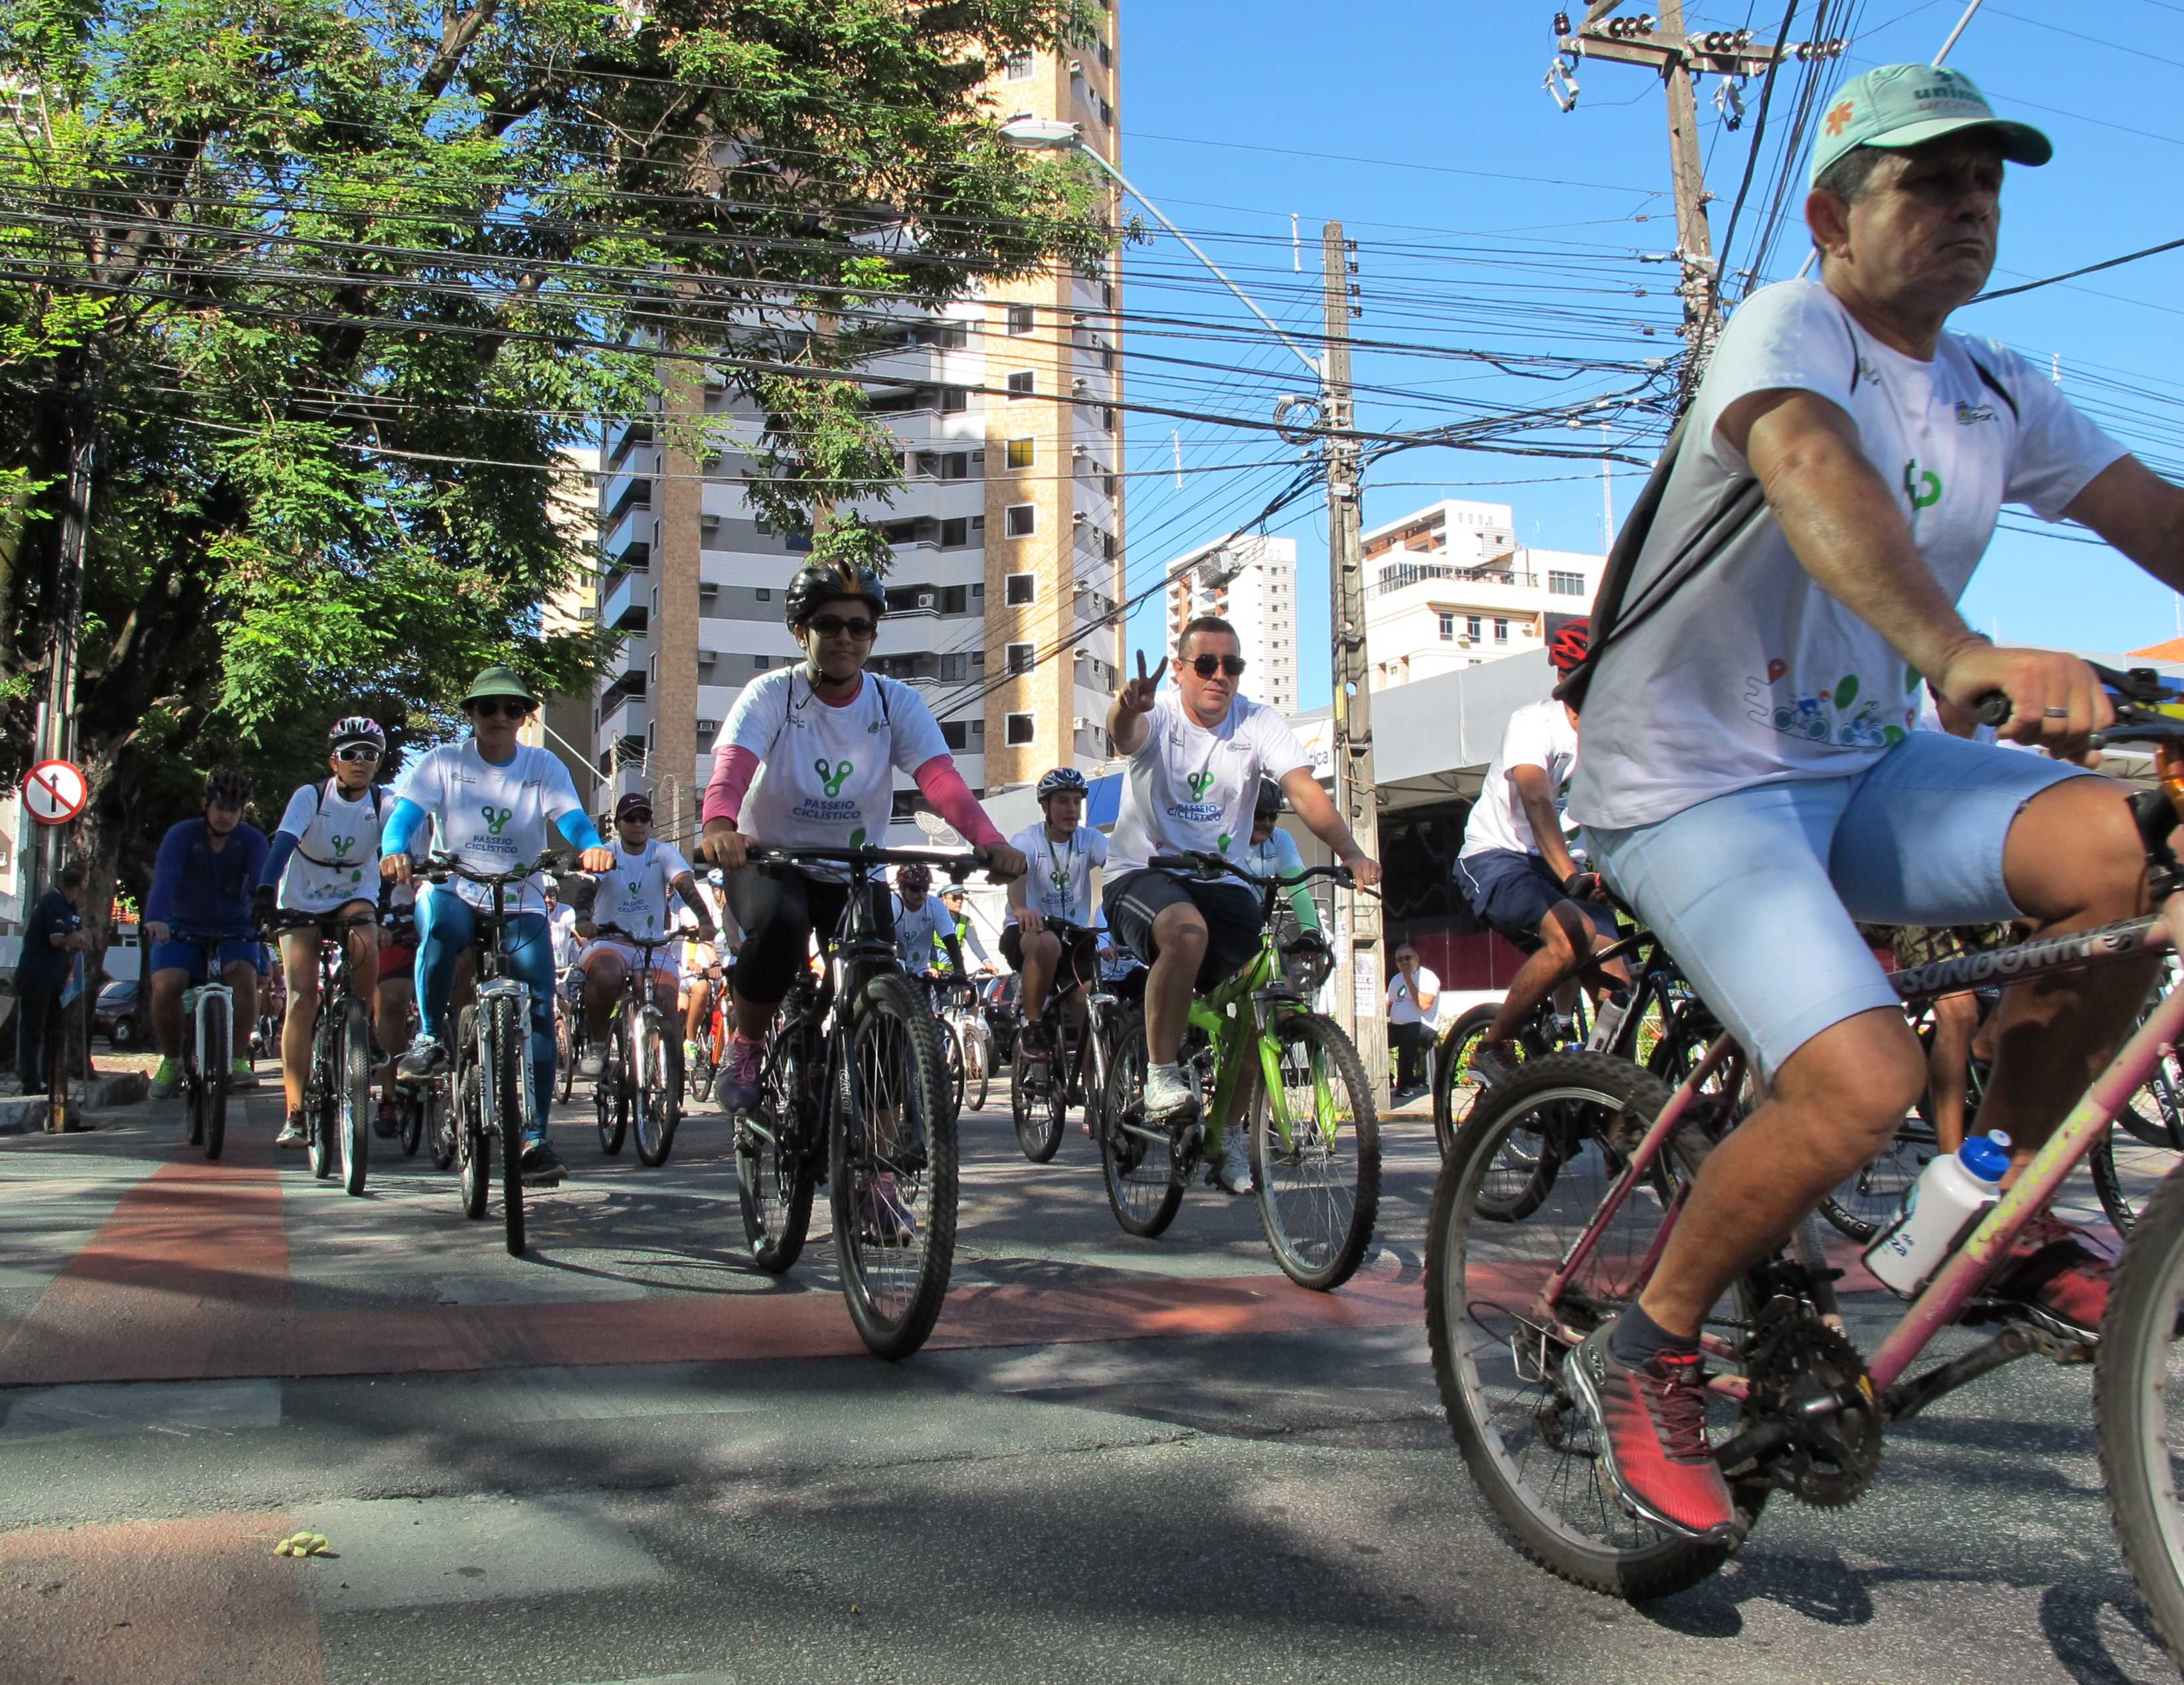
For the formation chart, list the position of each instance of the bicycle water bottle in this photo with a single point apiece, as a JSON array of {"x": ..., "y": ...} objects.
[
  {"x": 1952, "y": 1194},
  {"x": 1607, "y": 1024}
]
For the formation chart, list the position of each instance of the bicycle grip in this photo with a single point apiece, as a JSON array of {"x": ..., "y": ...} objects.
[{"x": 1994, "y": 708}]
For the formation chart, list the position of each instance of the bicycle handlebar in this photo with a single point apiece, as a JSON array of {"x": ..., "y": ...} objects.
[
  {"x": 957, "y": 866},
  {"x": 634, "y": 939},
  {"x": 440, "y": 867},
  {"x": 1210, "y": 865}
]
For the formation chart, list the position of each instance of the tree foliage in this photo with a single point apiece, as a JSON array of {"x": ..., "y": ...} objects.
[{"x": 332, "y": 284}]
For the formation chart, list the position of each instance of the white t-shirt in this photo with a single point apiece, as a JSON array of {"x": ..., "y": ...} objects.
[
  {"x": 491, "y": 817},
  {"x": 1190, "y": 789},
  {"x": 337, "y": 858},
  {"x": 826, "y": 773},
  {"x": 1058, "y": 875},
  {"x": 1752, "y": 674},
  {"x": 561, "y": 923},
  {"x": 1539, "y": 734},
  {"x": 1406, "y": 1008},
  {"x": 636, "y": 894}
]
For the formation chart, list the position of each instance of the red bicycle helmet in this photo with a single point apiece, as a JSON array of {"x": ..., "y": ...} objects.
[{"x": 1566, "y": 650}]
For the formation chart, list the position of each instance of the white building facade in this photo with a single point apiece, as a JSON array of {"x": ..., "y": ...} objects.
[
  {"x": 1448, "y": 588},
  {"x": 1250, "y": 582}
]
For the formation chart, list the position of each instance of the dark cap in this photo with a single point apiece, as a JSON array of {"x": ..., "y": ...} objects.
[{"x": 637, "y": 801}]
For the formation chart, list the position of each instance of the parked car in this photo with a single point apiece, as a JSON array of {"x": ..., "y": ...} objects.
[
  {"x": 999, "y": 1003},
  {"x": 114, "y": 1014}
]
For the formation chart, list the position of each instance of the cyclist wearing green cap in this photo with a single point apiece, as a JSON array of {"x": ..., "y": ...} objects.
[
  {"x": 1752, "y": 781},
  {"x": 490, "y": 798}
]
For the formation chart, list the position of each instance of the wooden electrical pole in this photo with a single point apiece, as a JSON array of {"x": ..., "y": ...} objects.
[{"x": 1359, "y": 983}]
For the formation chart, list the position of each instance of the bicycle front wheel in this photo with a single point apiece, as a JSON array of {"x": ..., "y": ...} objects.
[
  {"x": 354, "y": 1111},
  {"x": 1498, "y": 1362},
  {"x": 891, "y": 1170},
  {"x": 218, "y": 1041},
  {"x": 951, "y": 1053},
  {"x": 1144, "y": 1187},
  {"x": 505, "y": 1073},
  {"x": 1455, "y": 1090},
  {"x": 2138, "y": 1409},
  {"x": 1317, "y": 1173},
  {"x": 1866, "y": 1202},
  {"x": 775, "y": 1166}
]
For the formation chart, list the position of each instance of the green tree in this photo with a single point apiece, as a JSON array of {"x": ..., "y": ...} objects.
[{"x": 327, "y": 286}]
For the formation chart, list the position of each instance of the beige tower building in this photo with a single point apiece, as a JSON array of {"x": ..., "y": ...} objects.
[{"x": 1006, "y": 536}]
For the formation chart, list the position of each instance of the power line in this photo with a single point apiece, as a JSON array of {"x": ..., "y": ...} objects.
[{"x": 2072, "y": 275}]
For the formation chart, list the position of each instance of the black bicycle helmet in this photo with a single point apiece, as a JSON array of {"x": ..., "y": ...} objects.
[
  {"x": 1062, "y": 778},
  {"x": 355, "y": 728},
  {"x": 914, "y": 880},
  {"x": 828, "y": 582},
  {"x": 1271, "y": 799},
  {"x": 227, "y": 788},
  {"x": 1567, "y": 648}
]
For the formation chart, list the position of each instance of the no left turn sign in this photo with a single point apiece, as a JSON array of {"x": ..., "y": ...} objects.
[{"x": 54, "y": 791}]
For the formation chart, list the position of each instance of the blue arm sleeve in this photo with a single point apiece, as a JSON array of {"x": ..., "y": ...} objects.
[
  {"x": 400, "y": 829},
  {"x": 276, "y": 858},
  {"x": 166, "y": 875},
  {"x": 578, "y": 828}
]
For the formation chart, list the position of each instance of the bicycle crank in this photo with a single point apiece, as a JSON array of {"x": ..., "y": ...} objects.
[{"x": 1819, "y": 1432}]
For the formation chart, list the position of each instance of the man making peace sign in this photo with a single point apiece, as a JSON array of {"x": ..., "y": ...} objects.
[{"x": 1196, "y": 755}]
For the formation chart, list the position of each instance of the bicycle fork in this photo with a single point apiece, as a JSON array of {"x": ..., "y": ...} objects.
[
  {"x": 517, "y": 1012},
  {"x": 193, "y": 1002}
]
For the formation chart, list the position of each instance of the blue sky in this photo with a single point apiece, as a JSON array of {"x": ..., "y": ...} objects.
[{"x": 1489, "y": 221}]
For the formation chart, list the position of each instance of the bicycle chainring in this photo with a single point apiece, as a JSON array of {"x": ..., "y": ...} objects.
[{"x": 1793, "y": 1361}]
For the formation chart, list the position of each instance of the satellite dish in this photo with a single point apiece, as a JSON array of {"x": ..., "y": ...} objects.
[{"x": 937, "y": 831}]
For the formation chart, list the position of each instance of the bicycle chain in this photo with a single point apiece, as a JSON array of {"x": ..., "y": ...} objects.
[{"x": 1793, "y": 1357}]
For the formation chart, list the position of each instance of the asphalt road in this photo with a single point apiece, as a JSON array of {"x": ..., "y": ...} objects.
[{"x": 631, "y": 1457}]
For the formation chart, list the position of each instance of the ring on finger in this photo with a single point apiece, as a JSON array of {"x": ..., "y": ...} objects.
[{"x": 2055, "y": 713}]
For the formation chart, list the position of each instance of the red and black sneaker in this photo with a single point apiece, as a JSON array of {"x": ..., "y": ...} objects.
[
  {"x": 1649, "y": 1424},
  {"x": 2053, "y": 1271}
]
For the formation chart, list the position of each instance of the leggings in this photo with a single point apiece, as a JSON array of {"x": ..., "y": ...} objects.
[
  {"x": 777, "y": 908},
  {"x": 446, "y": 926}
]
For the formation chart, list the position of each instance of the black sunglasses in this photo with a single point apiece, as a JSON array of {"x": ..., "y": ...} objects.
[
  {"x": 1205, "y": 666},
  {"x": 833, "y": 626},
  {"x": 643, "y": 815},
  {"x": 354, "y": 753},
  {"x": 499, "y": 707}
]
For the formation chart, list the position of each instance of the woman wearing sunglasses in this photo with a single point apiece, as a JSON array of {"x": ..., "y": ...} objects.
[
  {"x": 491, "y": 799},
  {"x": 1196, "y": 756},
  {"x": 829, "y": 738},
  {"x": 324, "y": 860}
]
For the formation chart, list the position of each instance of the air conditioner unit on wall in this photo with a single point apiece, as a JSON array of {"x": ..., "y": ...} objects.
[{"x": 705, "y": 727}]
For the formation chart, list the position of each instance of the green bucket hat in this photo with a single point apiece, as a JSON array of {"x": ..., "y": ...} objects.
[
  {"x": 1907, "y": 105},
  {"x": 498, "y": 682}
]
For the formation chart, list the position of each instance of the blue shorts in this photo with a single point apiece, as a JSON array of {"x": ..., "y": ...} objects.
[
  {"x": 1758, "y": 893},
  {"x": 1513, "y": 893},
  {"x": 188, "y": 956}
]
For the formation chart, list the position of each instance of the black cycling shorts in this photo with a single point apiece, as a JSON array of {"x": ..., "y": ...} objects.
[
  {"x": 1085, "y": 957},
  {"x": 779, "y": 907},
  {"x": 1230, "y": 910}
]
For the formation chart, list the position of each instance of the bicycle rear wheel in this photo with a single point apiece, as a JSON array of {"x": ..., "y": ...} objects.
[
  {"x": 1319, "y": 1180},
  {"x": 321, "y": 1103},
  {"x": 473, "y": 1146},
  {"x": 509, "y": 1105},
  {"x": 2138, "y": 1409},
  {"x": 565, "y": 1051},
  {"x": 1499, "y": 1367},
  {"x": 218, "y": 1040},
  {"x": 1144, "y": 1187},
  {"x": 654, "y": 1073},
  {"x": 611, "y": 1105},
  {"x": 951, "y": 1053},
  {"x": 775, "y": 1168},
  {"x": 978, "y": 1069},
  {"x": 2142, "y": 1147},
  {"x": 1866, "y": 1202},
  {"x": 891, "y": 1146},
  {"x": 353, "y": 1109},
  {"x": 1039, "y": 1131},
  {"x": 409, "y": 1106}
]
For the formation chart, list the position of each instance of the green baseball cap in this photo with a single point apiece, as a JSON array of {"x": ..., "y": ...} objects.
[
  {"x": 498, "y": 682},
  {"x": 1907, "y": 105}
]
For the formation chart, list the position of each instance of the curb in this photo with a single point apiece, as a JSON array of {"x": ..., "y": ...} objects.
[
  {"x": 23, "y": 1114},
  {"x": 127, "y": 1089}
]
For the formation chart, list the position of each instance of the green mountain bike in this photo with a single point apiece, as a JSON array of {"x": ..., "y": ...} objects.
[{"x": 1262, "y": 1057}]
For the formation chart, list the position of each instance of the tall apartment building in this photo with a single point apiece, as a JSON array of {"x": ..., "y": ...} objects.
[
  {"x": 1006, "y": 536},
  {"x": 1449, "y": 586},
  {"x": 1250, "y": 582}
]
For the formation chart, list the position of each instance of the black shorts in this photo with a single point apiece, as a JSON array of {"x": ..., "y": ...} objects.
[
  {"x": 1513, "y": 893},
  {"x": 1231, "y": 913},
  {"x": 1084, "y": 958},
  {"x": 779, "y": 907}
]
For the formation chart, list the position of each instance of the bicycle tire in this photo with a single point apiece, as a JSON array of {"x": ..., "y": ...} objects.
[
  {"x": 440, "y": 1126},
  {"x": 1315, "y": 1254},
  {"x": 951, "y": 1055},
  {"x": 510, "y": 1108},
  {"x": 1476, "y": 1339},
  {"x": 473, "y": 1146},
  {"x": 193, "y": 1099},
  {"x": 896, "y": 1066},
  {"x": 319, "y": 1100},
  {"x": 1037, "y": 1131},
  {"x": 564, "y": 1051},
  {"x": 354, "y": 1109},
  {"x": 1455, "y": 1091},
  {"x": 1865, "y": 1203},
  {"x": 2147, "y": 1153},
  {"x": 2137, "y": 1370},
  {"x": 610, "y": 1093},
  {"x": 775, "y": 1171},
  {"x": 220, "y": 1036},
  {"x": 1144, "y": 1190},
  {"x": 652, "y": 1111},
  {"x": 411, "y": 1110},
  {"x": 978, "y": 1069}
]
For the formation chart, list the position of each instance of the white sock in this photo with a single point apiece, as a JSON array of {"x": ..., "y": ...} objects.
[{"x": 1172, "y": 1070}]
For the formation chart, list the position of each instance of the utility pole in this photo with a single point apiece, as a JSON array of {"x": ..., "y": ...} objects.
[
  {"x": 1359, "y": 990},
  {"x": 1679, "y": 59}
]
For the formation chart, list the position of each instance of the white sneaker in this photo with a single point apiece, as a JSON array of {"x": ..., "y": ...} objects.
[
  {"x": 1169, "y": 1094},
  {"x": 591, "y": 1064},
  {"x": 1234, "y": 1173}
]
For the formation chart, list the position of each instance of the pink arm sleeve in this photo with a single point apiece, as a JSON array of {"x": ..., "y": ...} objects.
[
  {"x": 943, "y": 786},
  {"x": 733, "y": 768}
]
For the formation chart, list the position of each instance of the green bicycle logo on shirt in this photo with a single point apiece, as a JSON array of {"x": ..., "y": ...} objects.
[
  {"x": 342, "y": 845},
  {"x": 1200, "y": 783},
  {"x": 835, "y": 777},
  {"x": 496, "y": 819}
]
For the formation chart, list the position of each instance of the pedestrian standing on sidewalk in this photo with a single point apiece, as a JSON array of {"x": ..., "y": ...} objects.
[
  {"x": 1414, "y": 992},
  {"x": 51, "y": 941}
]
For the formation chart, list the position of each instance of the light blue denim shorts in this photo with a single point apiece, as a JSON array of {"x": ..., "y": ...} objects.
[{"x": 1758, "y": 893}]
